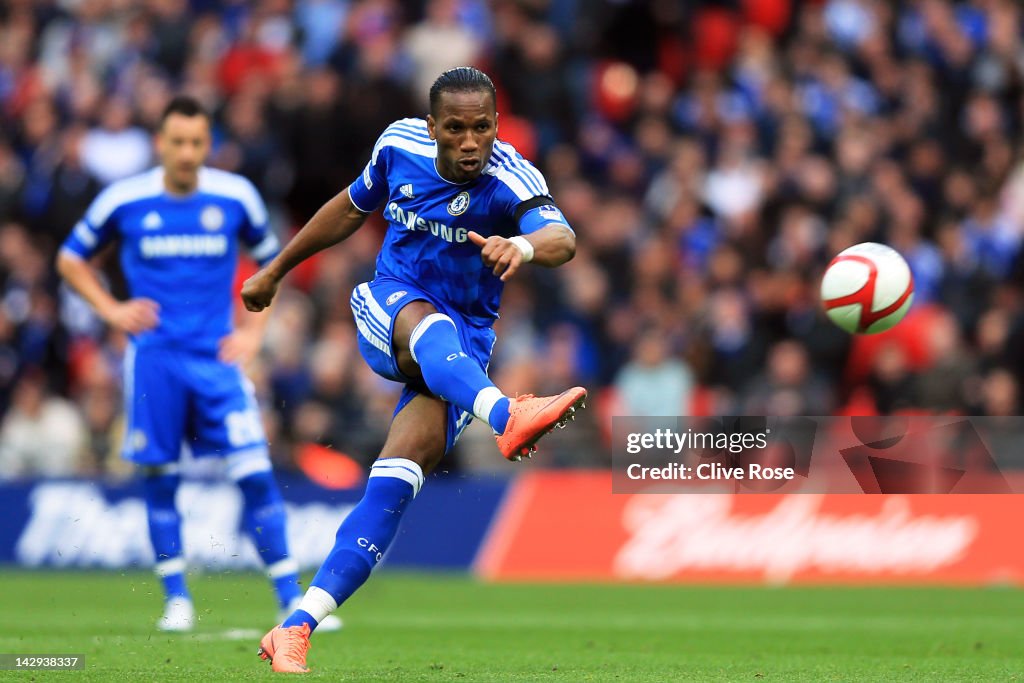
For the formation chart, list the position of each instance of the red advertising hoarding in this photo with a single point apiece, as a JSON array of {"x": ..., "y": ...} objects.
[{"x": 569, "y": 526}]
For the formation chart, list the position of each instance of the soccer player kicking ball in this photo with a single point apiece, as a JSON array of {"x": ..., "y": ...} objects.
[
  {"x": 464, "y": 212},
  {"x": 179, "y": 226}
]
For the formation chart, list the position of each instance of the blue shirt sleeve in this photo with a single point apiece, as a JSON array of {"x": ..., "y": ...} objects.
[
  {"x": 95, "y": 230},
  {"x": 371, "y": 188},
  {"x": 542, "y": 216},
  {"x": 522, "y": 191},
  {"x": 255, "y": 232}
]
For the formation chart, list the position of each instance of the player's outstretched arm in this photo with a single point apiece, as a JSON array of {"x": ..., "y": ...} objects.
[
  {"x": 332, "y": 223},
  {"x": 551, "y": 246},
  {"x": 132, "y": 316}
]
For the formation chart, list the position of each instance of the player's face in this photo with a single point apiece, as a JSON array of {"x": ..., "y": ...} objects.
[
  {"x": 465, "y": 127},
  {"x": 183, "y": 143}
]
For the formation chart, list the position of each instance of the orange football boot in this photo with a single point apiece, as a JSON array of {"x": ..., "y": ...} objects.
[
  {"x": 531, "y": 417},
  {"x": 286, "y": 649}
]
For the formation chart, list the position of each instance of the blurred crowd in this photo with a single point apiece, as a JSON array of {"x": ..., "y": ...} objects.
[{"x": 711, "y": 156}]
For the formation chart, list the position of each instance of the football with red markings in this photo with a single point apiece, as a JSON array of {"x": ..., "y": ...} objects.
[{"x": 867, "y": 288}]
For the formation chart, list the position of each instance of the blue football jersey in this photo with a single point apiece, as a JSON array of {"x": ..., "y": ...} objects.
[
  {"x": 429, "y": 217},
  {"x": 180, "y": 251}
]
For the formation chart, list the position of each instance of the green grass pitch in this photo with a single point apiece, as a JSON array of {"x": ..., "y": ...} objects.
[{"x": 404, "y": 627}]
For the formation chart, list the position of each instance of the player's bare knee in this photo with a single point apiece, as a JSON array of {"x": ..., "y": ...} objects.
[
  {"x": 431, "y": 458},
  {"x": 419, "y": 433},
  {"x": 408, "y": 318},
  {"x": 407, "y": 364},
  {"x": 424, "y": 446}
]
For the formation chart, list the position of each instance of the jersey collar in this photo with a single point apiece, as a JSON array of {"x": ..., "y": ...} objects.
[
  {"x": 445, "y": 179},
  {"x": 159, "y": 174}
]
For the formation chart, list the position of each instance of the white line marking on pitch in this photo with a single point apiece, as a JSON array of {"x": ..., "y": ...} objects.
[{"x": 230, "y": 634}]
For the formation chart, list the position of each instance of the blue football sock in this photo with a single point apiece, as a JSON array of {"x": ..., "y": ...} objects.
[
  {"x": 174, "y": 583},
  {"x": 300, "y": 617},
  {"x": 498, "y": 416},
  {"x": 451, "y": 374},
  {"x": 264, "y": 519},
  {"x": 165, "y": 532},
  {"x": 365, "y": 535}
]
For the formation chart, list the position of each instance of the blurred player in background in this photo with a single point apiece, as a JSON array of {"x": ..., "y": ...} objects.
[
  {"x": 464, "y": 212},
  {"x": 179, "y": 226}
]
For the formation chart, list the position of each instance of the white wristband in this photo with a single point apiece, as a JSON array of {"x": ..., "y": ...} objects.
[{"x": 524, "y": 246}]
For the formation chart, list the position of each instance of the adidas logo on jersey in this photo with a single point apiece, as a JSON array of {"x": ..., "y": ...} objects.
[
  {"x": 406, "y": 190},
  {"x": 152, "y": 221}
]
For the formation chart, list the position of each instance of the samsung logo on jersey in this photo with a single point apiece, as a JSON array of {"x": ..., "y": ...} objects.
[
  {"x": 164, "y": 246},
  {"x": 412, "y": 221}
]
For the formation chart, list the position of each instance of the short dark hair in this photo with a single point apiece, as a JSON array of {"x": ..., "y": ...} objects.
[
  {"x": 186, "y": 105},
  {"x": 460, "y": 79}
]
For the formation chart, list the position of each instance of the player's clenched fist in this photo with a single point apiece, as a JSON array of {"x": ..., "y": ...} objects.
[
  {"x": 133, "y": 316},
  {"x": 503, "y": 255},
  {"x": 259, "y": 290}
]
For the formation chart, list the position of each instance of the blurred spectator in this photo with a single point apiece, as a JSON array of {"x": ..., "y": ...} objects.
[
  {"x": 250, "y": 150},
  {"x": 101, "y": 412},
  {"x": 735, "y": 185},
  {"x": 86, "y": 38},
  {"x": 116, "y": 149},
  {"x": 70, "y": 189},
  {"x": 943, "y": 386},
  {"x": 12, "y": 180},
  {"x": 850, "y": 22},
  {"x": 992, "y": 239},
  {"x": 1000, "y": 394},
  {"x": 536, "y": 83},
  {"x": 438, "y": 43},
  {"x": 10, "y": 360},
  {"x": 892, "y": 382},
  {"x": 170, "y": 31},
  {"x": 966, "y": 286},
  {"x": 255, "y": 58},
  {"x": 376, "y": 96},
  {"x": 788, "y": 386},
  {"x": 321, "y": 23},
  {"x": 323, "y": 160},
  {"x": 653, "y": 382},
  {"x": 993, "y": 339},
  {"x": 42, "y": 434}
]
